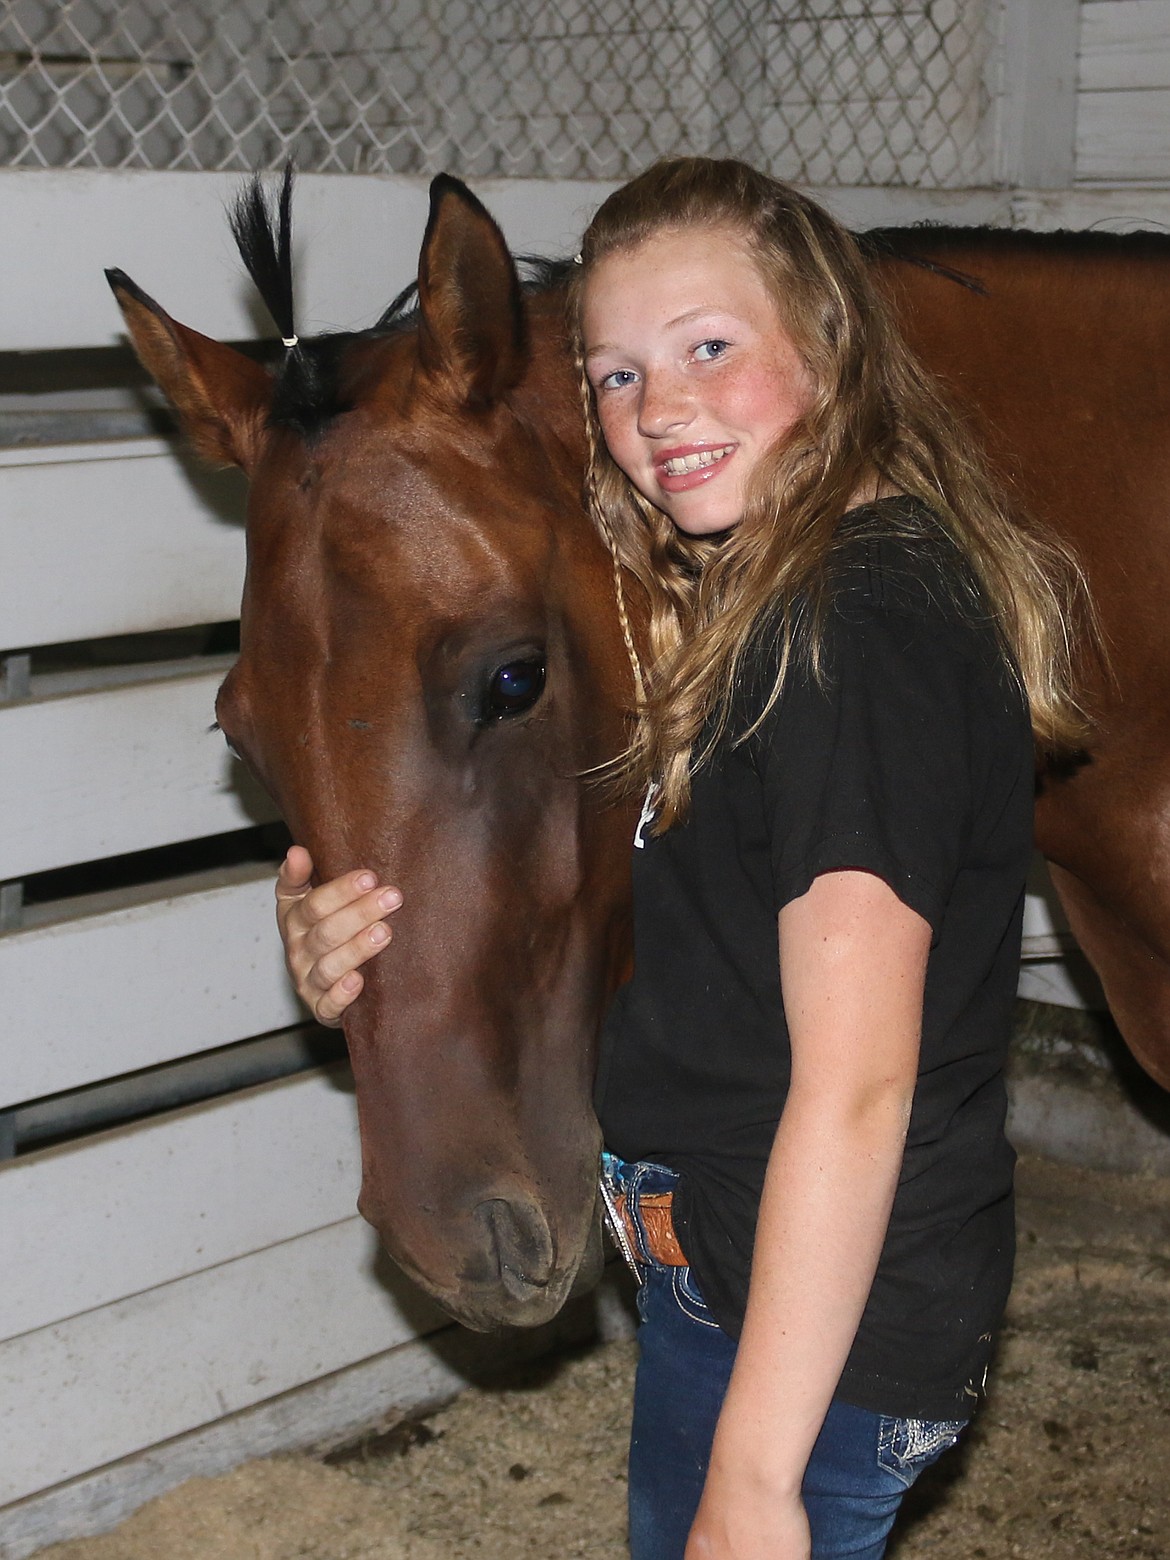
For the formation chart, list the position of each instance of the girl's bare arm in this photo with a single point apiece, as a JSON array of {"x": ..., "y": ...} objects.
[{"x": 852, "y": 966}]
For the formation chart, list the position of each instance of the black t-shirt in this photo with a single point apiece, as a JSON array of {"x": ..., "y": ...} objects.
[{"x": 912, "y": 760}]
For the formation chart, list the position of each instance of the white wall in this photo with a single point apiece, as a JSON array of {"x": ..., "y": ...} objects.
[{"x": 1123, "y": 92}]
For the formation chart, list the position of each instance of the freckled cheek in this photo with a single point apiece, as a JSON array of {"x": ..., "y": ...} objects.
[
  {"x": 766, "y": 404},
  {"x": 622, "y": 442}
]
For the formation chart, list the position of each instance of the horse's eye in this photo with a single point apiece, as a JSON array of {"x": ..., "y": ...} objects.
[{"x": 514, "y": 688}]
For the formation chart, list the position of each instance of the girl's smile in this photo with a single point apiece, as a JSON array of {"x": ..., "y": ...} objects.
[{"x": 695, "y": 374}]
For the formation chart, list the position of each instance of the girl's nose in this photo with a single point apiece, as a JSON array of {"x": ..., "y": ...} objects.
[{"x": 664, "y": 406}]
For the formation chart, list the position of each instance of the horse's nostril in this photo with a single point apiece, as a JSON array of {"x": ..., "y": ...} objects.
[{"x": 522, "y": 1244}]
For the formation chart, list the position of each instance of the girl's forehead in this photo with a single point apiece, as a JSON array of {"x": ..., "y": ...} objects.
[{"x": 700, "y": 266}]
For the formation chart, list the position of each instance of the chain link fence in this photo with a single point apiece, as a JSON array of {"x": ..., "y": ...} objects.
[{"x": 820, "y": 91}]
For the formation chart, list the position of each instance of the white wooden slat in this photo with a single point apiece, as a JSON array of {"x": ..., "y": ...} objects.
[
  {"x": 1122, "y": 136},
  {"x": 513, "y": 21},
  {"x": 1125, "y": 45},
  {"x": 1036, "y": 111},
  {"x": 1062, "y": 982},
  {"x": 358, "y": 239},
  {"x": 92, "y": 545},
  {"x": 1110, "y": 210},
  {"x": 91, "y": 775},
  {"x": 158, "y": 1200},
  {"x": 815, "y": 138},
  {"x": 193, "y": 965},
  {"x": 1046, "y": 932},
  {"x": 107, "y": 1383}
]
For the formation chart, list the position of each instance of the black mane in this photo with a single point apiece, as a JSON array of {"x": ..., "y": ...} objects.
[
  {"x": 307, "y": 391},
  {"x": 924, "y": 243}
]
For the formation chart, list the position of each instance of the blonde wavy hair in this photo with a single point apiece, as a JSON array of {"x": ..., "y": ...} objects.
[{"x": 875, "y": 417}]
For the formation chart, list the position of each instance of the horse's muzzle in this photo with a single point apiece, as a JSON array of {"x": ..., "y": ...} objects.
[
  {"x": 520, "y": 1245},
  {"x": 515, "y": 1273}
]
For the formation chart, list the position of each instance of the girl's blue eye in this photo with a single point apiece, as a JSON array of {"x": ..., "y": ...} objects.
[
  {"x": 618, "y": 380},
  {"x": 708, "y": 351}
]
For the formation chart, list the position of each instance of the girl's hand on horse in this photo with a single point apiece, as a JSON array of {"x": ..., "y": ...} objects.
[{"x": 329, "y": 931}]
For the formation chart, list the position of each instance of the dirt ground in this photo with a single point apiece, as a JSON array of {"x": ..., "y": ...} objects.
[{"x": 1069, "y": 1458}]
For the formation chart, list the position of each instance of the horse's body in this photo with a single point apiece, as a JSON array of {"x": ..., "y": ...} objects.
[
  {"x": 1065, "y": 362},
  {"x": 415, "y": 535}
]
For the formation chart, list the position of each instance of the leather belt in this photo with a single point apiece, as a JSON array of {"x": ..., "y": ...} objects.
[{"x": 659, "y": 1238}]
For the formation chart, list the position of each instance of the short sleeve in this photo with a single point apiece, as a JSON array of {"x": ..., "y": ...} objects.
[{"x": 870, "y": 767}]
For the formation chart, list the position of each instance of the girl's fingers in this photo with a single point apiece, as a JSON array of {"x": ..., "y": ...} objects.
[
  {"x": 296, "y": 873},
  {"x": 329, "y": 970},
  {"x": 332, "y": 912},
  {"x": 330, "y": 1007},
  {"x": 293, "y": 890},
  {"x": 330, "y": 931},
  {"x": 335, "y": 930}
]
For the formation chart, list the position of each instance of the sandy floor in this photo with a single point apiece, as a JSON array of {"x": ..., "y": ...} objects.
[{"x": 1070, "y": 1458}]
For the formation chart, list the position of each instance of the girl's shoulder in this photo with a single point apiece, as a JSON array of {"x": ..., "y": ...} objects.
[
  {"x": 895, "y": 556},
  {"x": 897, "y": 599}
]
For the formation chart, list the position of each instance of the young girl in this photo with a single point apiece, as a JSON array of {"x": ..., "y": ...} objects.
[{"x": 801, "y": 1088}]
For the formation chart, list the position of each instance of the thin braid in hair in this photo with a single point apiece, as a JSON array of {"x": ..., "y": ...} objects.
[{"x": 597, "y": 510}]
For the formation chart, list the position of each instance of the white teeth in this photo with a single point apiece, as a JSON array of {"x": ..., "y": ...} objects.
[{"x": 681, "y": 464}]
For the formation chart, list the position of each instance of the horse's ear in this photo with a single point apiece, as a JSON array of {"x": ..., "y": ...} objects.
[
  {"x": 471, "y": 318},
  {"x": 221, "y": 396}
]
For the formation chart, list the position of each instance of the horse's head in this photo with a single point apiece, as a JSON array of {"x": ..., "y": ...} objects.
[{"x": 430, "y": 661}]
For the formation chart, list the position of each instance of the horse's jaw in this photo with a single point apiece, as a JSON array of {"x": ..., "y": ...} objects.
[{"x": 479, "y": 1176}]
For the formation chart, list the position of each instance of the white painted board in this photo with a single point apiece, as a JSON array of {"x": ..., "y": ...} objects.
[
  {"x": 1046, "y": 932},
  {"x": 90, "y": 775},
  {"x": 1121, "y": 136},
  {"x": 1125, "y": 45},
  {"x": 179, "y": 969},
  {"x": 1064, "y": 982},
  {"x": 120, "y": 1212},
  {"x": 1110, "y": 210},
  {"x": 107, "y": 1383},
  {"x": 1035, "y": 88},
  {"x": 115, "y": 538}
]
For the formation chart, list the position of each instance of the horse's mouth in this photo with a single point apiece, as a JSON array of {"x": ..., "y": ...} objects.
[
  {"x": 519, "y": 1284},
  {"x": 510, "y": 1302},
  {"x": 514, "y": 1277}
]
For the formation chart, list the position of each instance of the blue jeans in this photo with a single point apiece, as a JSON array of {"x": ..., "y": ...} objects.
[{"x": 861, "y": 1466}]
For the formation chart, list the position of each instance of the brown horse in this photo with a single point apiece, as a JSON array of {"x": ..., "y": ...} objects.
[{"x": 431, "y": 660}]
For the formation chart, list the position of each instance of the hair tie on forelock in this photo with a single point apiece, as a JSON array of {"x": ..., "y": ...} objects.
[{"x": 290, "y": 341}]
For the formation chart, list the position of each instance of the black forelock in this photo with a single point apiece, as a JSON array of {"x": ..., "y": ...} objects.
[{"x": 308, "y": 389}]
